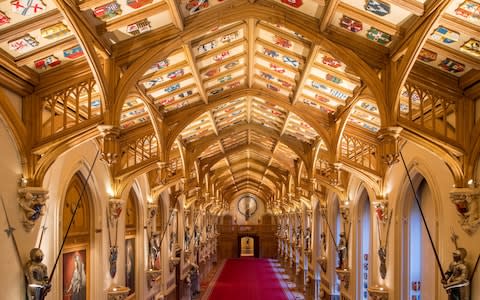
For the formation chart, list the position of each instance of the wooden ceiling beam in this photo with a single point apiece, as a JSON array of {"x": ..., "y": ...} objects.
[
  {"x": 328, "y": 14},
  {"x": 43, "y": 52},
  {"x": 413, "y": 6},
  {"x": 175, "y": 13},
  {"x": 193, "y": 66}
]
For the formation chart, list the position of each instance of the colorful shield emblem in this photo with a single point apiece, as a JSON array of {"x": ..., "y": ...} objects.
[
  {"x": 472, "y": 47},
  {"x": 272, "y": 87},
  {"x": 194, "y": 6},
  {"x": 212, "y": 72},
  {"x": 452, "y": 66},
  {"x": 271, "y": 53},
  {"x": 139, "y": 27},
  {"x": 377, "y": 7},
  {"x": 23, "y": 44},
  {"x": 54, "y": 31},
  {"x": 207, "y": 47},
  {"x": 160, "y": 65},
  {"x": 231, "y": 64},
  {"x": 277, "y": 68},
  {"x": 333, "y": 79},
  {"x": 351, "y": 24},
  {"x": 107, "y": 11},
  {"x": 172, "y": 88},
  {"x": 427, "y": 55},
  {"x": 291, "y": 61},
  {"x": 469, "y": 10},
  {"x": 445, "y": 35},
  {"x": 378, "y": 36},
  {"x": 221, "y": 56},
  {"x": 282, "y": 42},
  {"x": 138, "y": 3},
  {"x": 331, "y": 62},
  {"x": 4, "y": 19},
  {"x": 28, "y": 7},
  {"x": 49, "y": 61},
  {"x": 73, "y": 52},
  {"x": 228, "y": 38},
  {"x": 175, "y": 74},
  {"x": 293, "y": 3}
]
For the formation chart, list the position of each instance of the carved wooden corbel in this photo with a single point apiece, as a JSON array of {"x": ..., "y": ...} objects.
[
  {"x": 111, "y": 145},
  {"x": 389, "y": 138},
  {"x": 32, "y": 200}
]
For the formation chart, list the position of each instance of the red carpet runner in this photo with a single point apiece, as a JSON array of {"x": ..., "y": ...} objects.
[{"x": 247, "y": 279}]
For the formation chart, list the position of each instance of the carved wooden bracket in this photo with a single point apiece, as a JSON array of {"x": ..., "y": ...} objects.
[
  {"x": 378, "y": 293},
  {"x": 117, "y": 293},
  {"x": 111, "y": 145},
  {"x": 388, "y": 136},
  {"x": 344, "y": 277},
  {"x": 32, "y": 200}
]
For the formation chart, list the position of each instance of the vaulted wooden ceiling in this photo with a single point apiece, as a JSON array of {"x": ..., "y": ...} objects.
[{"x": 247, "y": 102}]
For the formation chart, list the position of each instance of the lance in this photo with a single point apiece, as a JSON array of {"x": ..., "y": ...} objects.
[
  {"x": 331, "y": 232},
  {"x": 9, "y": 232},
  {"x": 423, "y": 219},
  {"x": 73, "y": 217},
  {"x": 169, "y": 220},
  {"x": 44, "y": 228}
]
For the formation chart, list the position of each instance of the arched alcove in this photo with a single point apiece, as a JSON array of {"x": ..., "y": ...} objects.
[
  {"x": 76, "y": 258},
  {"x": 417, "y": 251},
  {"x": 131, "y": 225}
]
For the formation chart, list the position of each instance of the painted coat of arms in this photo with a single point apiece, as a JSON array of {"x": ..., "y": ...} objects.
[
  {"x": 293, "y": 3},
  {"x": 378, "y": 36},
  {"x": 4, "y": 19},
  {"x": 427, "y": 55},
  {"x": 54, "y": 31},
  {"x": 73, "y": 52},
  {"x": 469, "y": 10},
  {"x": 472, "y": 47},
  {"x": 445, "y": 35},
  {"x": 194, "y": 6},
  {"x": 377, "y": 7},
  {"x": 49, "y": 61},
  {"x": 28, "y": 7},
  {"x": 351, "y": 24},
  {"x": 331, "y": 62},
  {"x": 108, "y": 11},
  {"x": 139, "y": 27},
  {"x": 452, "y": 66},
  {"x": 282, "y": 42},
  {"x": 138, "y": 3},
  {"x": 23, "y": 44}
]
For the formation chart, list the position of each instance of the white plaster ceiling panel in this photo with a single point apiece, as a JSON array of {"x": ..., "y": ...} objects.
[
  {"x": 308, "y": 7},
  {"x": 275, "y": 81},
  {"x": 268, "y": 114},
  {"x": 275, "y": 68},
  {"x": 133, "y": 113},
  {"x": 172, "y": 87},
  {"x": 260, "y": 139},
  {"x": 172, "y": 73},
  {"x": 387, "y": 12},
  {"x": 468, "y": 11},
  {"x": 191, "y": 7},
  {"x": 444, "y": 61},
  {"x": 220, "y": 88},
  {"x": 221, "y": 55},
  {"x": 169, "y": 63},
  {"x": 299, "y": 129},
  {"x": 222, "y": 67},
  {"x": 138, "y": 27},
  {"x": 234, "y": 140},
  {"x": 220, "y": 40},
  {"x": 199, "y": 128},
  {"x": 212, "y": 150},
  {"x": 15, "y": 12},
  {"x": 283, "y": 41},
  {"x": 231, "y": 115},
  {"x": 365, "y": 115},
  {"x": 224, "y": 78}
]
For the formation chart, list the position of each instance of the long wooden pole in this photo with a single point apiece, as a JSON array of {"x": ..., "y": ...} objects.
[{"x": 424, "y": 220}]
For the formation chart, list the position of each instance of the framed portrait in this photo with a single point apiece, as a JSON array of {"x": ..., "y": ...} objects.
[
  {"x": 75, "y": 274},
  {"x": 130, "y": 265}
]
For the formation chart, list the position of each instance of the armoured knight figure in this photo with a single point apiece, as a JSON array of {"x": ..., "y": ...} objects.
[
  {"x": 187, "y": 237},
  {"x": 457, "y": 277},
  {"x": 342, "y": 251},
  {"x": 154, "y": 249},
  {"x": 307, "y": 236},
  {"x": 37, "y": 276}
]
